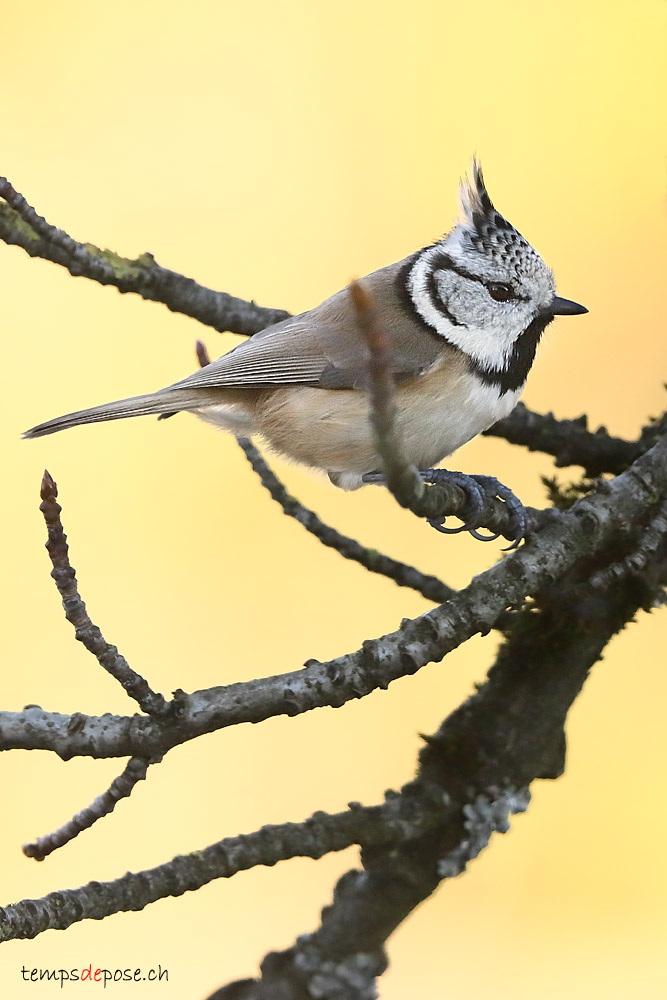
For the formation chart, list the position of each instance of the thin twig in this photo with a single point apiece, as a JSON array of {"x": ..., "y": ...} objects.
[
  {"x": 402, "y": 574},
  {"x": 402, "y": 477},
  {"x": 75, "y": 610},
  {"x": 120, "y": 788}
]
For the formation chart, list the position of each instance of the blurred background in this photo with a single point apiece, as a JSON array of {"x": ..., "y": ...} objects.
[{"x": 276, "y": 150}]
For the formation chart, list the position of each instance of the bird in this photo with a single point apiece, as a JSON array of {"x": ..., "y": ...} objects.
[{"x": 463, "y": 315}]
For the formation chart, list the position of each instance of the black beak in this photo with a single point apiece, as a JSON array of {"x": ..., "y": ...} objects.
[{"x": 564, "y": 307}]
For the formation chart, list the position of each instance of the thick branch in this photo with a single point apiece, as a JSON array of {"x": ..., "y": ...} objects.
[
  {"x": 21, "y": 226},
  {"x": 571, "y": 443}
]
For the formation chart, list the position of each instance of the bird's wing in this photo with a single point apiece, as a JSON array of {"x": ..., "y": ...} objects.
[
  {"x": 280, "y": 355},
  {"x": 323, "y": 347}
]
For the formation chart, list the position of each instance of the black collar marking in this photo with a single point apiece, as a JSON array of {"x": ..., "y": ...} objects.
[{"x": 519, "y": 361}]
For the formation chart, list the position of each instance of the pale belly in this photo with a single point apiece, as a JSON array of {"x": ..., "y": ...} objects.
[{"x": 330, "y": 429}]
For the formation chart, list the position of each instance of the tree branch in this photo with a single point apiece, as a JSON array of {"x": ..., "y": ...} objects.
[
  {"x": 571, "y": 443},
  {"x": 519, "y": 713},
  {"x": 402, "y": 574},
  {"x": 120, "y": 788},
  {"x": 75, "y": 610},
  {"x": 588, "y": 571},
  {"x": 21, "y": 226},
  {"x": 372, "y": 560}
]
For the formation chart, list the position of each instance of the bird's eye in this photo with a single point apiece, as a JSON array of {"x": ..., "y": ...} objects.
[{"x": 500, "y": 292}]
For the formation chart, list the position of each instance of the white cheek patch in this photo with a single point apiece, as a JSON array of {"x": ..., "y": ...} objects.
[{"x": 460, "y": 310}]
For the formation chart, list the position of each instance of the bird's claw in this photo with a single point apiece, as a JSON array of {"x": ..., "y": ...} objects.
[
  {"x": 518, "y": 522},
  {"x": 474, "y": 507},
  {"x": 479, "y": 489}
]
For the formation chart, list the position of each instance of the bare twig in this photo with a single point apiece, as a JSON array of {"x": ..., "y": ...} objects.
[
  {"x": 402, "y": 574},
  {"x": 75, "y": 610},
  {"x": 201, "y": 351},
  {"x": 372, "y": 560},
  {"x": 120, "y": 788},
  {"x": 21, "y": 226}
]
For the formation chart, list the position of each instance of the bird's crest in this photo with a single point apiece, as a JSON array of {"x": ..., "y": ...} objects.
[
  {"x": 479, "y": 215},
  {"x": 475, "y": 204}
]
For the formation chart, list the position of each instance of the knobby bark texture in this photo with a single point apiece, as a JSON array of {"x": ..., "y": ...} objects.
[{"x": 592, "y": 561}]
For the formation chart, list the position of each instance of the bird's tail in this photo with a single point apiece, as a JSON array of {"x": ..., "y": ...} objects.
[{"x": 169, "y": 401}]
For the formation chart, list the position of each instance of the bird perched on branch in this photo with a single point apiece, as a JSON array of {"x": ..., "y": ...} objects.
[{"x": 463, "y": 318}]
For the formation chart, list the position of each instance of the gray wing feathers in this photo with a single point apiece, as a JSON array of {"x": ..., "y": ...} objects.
[
  {"x": 286, "y": 353},
  {"x": 239, "y": 372},
  {"x": 324, "y": 347}
]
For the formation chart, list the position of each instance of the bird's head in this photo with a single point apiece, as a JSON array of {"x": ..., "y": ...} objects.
[{"x": 486, "y": 290}]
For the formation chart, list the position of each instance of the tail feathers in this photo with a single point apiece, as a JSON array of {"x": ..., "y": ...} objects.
[{"x": 136, "y": 406}]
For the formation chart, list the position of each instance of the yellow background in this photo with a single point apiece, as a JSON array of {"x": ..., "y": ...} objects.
[{"x": 275, "y": 150}]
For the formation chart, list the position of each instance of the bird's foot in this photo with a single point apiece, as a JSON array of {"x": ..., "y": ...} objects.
[{"x": 478, "y": 490}]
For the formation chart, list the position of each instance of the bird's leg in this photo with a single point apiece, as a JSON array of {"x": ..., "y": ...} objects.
[{"x": 478, "y": 490}]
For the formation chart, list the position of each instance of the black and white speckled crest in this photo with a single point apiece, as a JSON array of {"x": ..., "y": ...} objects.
[{"x": 485, "y": 230}]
